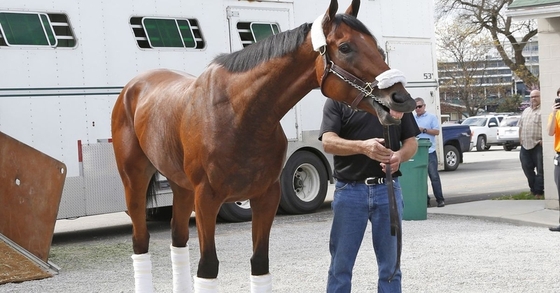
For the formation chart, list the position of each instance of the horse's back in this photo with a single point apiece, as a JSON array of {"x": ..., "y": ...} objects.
[
  {"x": 158, "y": 83},
  {"x": 151, "y": 91}
]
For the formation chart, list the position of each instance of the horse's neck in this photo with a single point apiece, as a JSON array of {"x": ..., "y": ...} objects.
[{"x": 274, "y": 87}]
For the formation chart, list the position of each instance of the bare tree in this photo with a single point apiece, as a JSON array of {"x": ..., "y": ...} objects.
[
  {"x": 462, "y": 66},
  {"x": 511, "y": 104},
  {"x": 489, "y": 16}
]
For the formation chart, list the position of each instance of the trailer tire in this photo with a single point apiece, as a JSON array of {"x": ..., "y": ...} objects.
[
  {"x": 304, "y": 183},
  {"x": 239, "y": 211}
]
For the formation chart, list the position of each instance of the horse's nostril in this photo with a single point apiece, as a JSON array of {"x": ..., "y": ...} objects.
[
  {"x": 395, "y": 97},
  {"x": 400, "y": 97}
]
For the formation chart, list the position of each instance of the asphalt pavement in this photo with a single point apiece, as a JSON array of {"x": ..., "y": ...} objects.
[
  {"x": 469, "y": 192},
  {"x": 471, "y": 189}
]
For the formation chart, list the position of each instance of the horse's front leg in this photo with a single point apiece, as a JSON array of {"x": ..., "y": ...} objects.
[
  {"x": 264, "y": 210},
  {"x": 183, "y": 205},
  {"x": 207, "y": 206}
]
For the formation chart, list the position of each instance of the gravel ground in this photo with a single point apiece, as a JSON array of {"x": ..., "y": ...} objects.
[{"x": 441, "y": 254}]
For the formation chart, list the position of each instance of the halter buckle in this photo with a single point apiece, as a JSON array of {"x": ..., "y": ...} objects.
[{"x": 369, "y": 87}]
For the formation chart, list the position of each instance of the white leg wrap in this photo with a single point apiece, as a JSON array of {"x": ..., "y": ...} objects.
[
  {"x": 261, "y": 284},
  {"x": 181, "y": 269},
  {"x": 202, "y": 285},
  {"x": 142, "y": 273}
]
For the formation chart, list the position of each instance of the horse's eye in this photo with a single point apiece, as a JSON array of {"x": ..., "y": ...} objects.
[{"x": 344, "y": 48}]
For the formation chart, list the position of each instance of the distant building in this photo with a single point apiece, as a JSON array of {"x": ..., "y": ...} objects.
[
  {"x": 452, "y": 112},
  {"x": 491, "y": 78}
]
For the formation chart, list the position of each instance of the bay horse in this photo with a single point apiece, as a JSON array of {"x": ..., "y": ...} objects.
[{"x": 217, "y": 138}]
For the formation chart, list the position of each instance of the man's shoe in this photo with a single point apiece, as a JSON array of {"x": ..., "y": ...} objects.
[
  {"x": 554, "y": 229},
  {"x": 429, "y": 205},
  {"x": 441, "y": 204}
]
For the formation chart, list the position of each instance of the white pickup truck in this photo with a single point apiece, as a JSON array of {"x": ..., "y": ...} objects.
[{"x": 484, "y": 131}]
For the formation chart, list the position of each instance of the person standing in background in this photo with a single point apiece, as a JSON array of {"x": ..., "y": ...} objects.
[
  {"x": 429, "y": 126},
  {"x": 553, "y": 129},
  {"x": 530, "y": 139}
]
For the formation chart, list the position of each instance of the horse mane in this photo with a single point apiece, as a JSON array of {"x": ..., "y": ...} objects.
[
  {"x": 262, "y": 51},
  {"x": 278, "y": 45}
]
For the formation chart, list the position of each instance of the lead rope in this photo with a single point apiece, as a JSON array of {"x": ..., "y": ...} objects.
[{"x": 393, "y": 210}]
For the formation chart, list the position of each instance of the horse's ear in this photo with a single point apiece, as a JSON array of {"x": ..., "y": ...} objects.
[
  {"x": 329, "y": 16},
  {"x": 353, "y": 8},
  {"x": 333, "y": 8}
]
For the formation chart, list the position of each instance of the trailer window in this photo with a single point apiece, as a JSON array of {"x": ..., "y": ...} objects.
[
  {"x": 35, "y": 29},
  {"x": 252, "y": 32},
  {"x": 153, "y": 33}
]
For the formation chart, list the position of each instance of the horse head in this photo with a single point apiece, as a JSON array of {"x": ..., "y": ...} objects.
[{"x": 351, "y": 67}]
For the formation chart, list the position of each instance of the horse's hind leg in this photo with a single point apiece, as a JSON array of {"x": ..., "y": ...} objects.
[
  {"x": 136, "y": 204},
  {"x": 183, "y": 204},
  {"x": 136, "y": 185},
  {"x": 136, "y": 171},
  {"x": 264, "y": 210}
]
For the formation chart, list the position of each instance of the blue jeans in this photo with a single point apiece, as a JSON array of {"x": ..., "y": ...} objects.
[
  {"x": 353, "y": 205},
  {"x": 434, "y": 176},
  {"x": 531, "y": 161}
]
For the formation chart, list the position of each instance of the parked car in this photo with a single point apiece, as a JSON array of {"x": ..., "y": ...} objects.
[
  {"x": 456, "y": 140},
  {"x": 484, "y": 131},
  {"x": 508, "y": 132}
]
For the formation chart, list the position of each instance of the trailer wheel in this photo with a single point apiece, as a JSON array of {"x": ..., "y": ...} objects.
[
  {"x": 239, "y": 211},
  {"x": 304, "y": 183}
]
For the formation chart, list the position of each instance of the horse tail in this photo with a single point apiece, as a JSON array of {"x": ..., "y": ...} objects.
[{"x": 151, "y": 200}]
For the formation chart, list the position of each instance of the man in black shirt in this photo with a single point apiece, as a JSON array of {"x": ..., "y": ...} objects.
[{"x": 355, "y": 139}]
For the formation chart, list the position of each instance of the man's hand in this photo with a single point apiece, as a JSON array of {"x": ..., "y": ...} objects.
[
  {"x": 376, "y": 150},
  {"x": 395, "y": 162}
]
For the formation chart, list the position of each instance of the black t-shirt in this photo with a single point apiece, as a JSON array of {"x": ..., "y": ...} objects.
[{"x": 361, "y": 125}]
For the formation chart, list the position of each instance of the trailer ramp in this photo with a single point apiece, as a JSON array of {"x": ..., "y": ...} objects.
[{"x": 30, "y": 191}]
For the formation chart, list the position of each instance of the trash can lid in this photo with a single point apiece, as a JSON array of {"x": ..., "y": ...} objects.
[{"x": 424, "y": 142}]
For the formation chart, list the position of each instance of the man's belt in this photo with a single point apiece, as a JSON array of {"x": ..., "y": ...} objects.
[{"x": 367, "y": 181}]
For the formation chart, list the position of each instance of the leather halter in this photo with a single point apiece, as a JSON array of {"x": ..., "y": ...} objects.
[{"x": 365, "y": 88}]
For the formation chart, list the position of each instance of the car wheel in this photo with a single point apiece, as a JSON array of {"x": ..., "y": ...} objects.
[
  {"x": 239, "y": 211},
  {"x": 451, "y": 156},
  {"x": 304, "y": 183},
  {"x": 508, "y": 147},
  {"x": 481, "y": 143}
]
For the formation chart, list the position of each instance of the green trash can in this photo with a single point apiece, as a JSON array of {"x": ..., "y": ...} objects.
[{"x": 414, "y": 183}]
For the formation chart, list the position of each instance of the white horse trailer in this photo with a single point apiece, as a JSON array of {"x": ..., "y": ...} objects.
[{"x": 64, "y": 63}]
